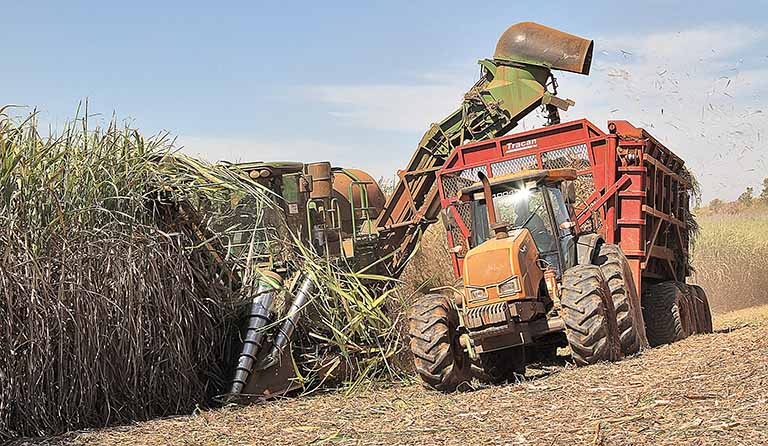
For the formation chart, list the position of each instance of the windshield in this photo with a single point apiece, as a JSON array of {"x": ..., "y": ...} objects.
[{"x": 518, "y": 207}]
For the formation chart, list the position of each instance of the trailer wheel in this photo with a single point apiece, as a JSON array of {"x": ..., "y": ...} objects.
[
  {"x": 499, "y": 366},
  {"x": 663, "y": 312},
  {"x": 700, "y": 299},
  {"x": 689, "y": 311},
  {"x": 589, "y": 316},
  {"x": 439, "y": 360},
  {"x": 618, "y": 274}
]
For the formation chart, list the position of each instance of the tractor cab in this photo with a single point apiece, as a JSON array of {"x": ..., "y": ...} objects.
[{"x": 535, "y": 203}]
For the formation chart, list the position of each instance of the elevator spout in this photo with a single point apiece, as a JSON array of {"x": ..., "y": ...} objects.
[{"x": 529, "y": 42}]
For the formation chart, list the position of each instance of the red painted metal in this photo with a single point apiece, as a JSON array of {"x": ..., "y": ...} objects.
[{"x": 634, "y": 191}]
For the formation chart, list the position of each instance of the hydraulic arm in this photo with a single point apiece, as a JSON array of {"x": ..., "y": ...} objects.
[{"x": 515, "y": 82}]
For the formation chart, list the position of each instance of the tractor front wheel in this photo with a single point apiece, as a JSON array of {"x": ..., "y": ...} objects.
[{"x": 439, "y": 359}]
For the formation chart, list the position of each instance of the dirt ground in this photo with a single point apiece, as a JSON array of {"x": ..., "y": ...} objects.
[{"x": 706, "y": 390}]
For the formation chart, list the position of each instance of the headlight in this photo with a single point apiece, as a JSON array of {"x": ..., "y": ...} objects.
[
  {"x": 476, "y": 294},
  {"x": 510, "y": 286}
]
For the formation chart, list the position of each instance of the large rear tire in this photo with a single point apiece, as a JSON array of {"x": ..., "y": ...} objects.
[
  {"x": 618, "y": 275},
  {"x": 589, "y": 316},
  {"x": 705, "y": 314},
  {"x": 439, "y": 360},
  {"x": 664, "y": 313}
]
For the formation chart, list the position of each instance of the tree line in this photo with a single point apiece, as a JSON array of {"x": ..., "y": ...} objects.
[{"x": 745, "y": 201}]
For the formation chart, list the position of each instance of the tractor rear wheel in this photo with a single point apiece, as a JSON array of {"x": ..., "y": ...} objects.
[
  {"x": 705, "y": 314},
  {"x": 618, "y": 274},
  {"x": 439, "y": 359},
  {"x": 664, "y": 313},
  {"x": 589, "y": 316}
]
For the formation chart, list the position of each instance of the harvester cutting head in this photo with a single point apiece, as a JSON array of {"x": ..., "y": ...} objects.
[{"x": 329, "y": 212}]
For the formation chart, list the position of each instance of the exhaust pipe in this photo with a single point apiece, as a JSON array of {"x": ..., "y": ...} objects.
[
  {"x": 261, "y": 304},
  {"x": 499, "y": 229},
  {"x": 286, "y": 331}
]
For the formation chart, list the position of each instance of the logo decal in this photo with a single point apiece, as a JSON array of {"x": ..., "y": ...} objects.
[{"x": 521, "y": 145}]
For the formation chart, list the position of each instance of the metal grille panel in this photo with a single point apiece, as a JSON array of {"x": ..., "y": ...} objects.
[
  {"x": 460, "y": 240},
  {"x": 456, "y": 181},
  {"x": 487, "y": 315},
  {"x": 465, "y": 213},
  {"x": 514, "y": 165},
  {"x": 575, "y": 157},
  {"x": 585, "y": 186},
  {"x": 453, "y": 184},
  {"x": 471, "y": 173}
]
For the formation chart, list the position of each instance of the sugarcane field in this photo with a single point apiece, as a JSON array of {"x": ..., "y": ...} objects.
[{"x": 386, "y": 223}]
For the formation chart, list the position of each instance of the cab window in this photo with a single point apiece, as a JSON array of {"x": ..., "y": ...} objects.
[{"x": 519, "y": 208}]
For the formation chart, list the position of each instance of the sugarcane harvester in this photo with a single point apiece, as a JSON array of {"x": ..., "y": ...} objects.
[{"x": 328, "y": 210}]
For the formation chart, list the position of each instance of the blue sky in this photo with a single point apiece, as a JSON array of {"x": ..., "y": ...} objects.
[{"x": 358, "y": 82}]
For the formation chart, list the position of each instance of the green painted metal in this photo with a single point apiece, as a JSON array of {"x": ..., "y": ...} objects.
[
  {"x": 284, "y": 167},
  {"x": 364, "y": 207},
  {"x": 335, "y": 216},
  {"x": 290, "y": 187}
]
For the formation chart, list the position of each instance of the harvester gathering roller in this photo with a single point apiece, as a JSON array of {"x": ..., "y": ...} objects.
[{"x": 253, "y": 341}]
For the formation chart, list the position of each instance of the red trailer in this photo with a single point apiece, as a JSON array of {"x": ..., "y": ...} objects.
[{"x": 631, "y": 189}]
